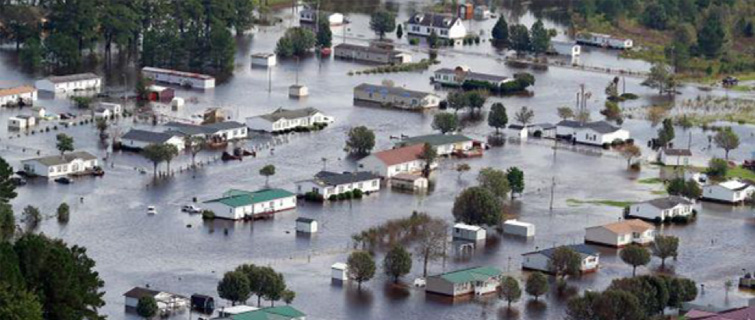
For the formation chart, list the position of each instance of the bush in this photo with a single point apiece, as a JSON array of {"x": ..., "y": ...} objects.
[
  {"x": 626, "y": 212},
  {"x": 606, "y": 146},
  {"x": 680, "y": 219},
  {"x": 208, "y": 215},
  {"x": 414, "y": 41},
  {"x": 657, "y": 220},
  {"x": 357, "y": 194},
  {"x": 629, "y": 96},
  {"x": 694, "y": 212},
  {"x": 333, "y": 197}
]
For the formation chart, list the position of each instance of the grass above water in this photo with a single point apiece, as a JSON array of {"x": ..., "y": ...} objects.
[
  {"x": 650, "y": 181},
  {"x": 741, "y": 173},
  {"x": 610, "y": 203}
]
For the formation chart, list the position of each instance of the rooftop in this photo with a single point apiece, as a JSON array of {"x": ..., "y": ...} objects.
[
  {"x": 598, "y": 126},
  {"x": 212, "y": 128},
  {"x": 139, "y": 292},
  {"x": 272, "y": 313},
  {"x": 677, "y": 152},
  {"x": 734, "y": 185},
  {"x": 397, "y": 91},
  {"x": 466, "y": 227},
  {"x": 147, "y": 136},
  {"x": 178, "y": 73},
  {"x": 407, "y": 177},
  {"x": 470, "y": 275},
  {"x": 16, "y": 90},
  {"x": 239, "y": 198},
  {"x": 64, "y": 159},
  {"x": 281, "y": 113},
  {"x": 435, "y": 139},
  {"x": 335, "y": 178},
  {"x": 469, "y": 75},
  {"x": 582, "y": 249},
  {"x": 627, "y": 226},
  {"x": 73, "y": 77},
  {"x": 668, "y": 202},
  {"x": 400, "y": 155},
  {"x": 437, "y": 20}
]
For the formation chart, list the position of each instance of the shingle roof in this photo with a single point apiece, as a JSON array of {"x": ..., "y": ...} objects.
[
  {"x": 435, "y": 139},
  {"x": 668, "y": 202},
  {"x": 16, "y": 90},
  {"x": 281, "y": 113},
  {"x": 193, "y": 129},
  {"x": 469, "y": 75},
  {"x": 147, "y": 136},
  {"x": 371, "y": 49},
  {"x": 598, "y": 126},
  {"x": 437, "y": 20},
  {"x": 400, "y": 155},
  {"x": 225, "y": 125},
  {"x": 305, "y": 220},
  {"x": 139, "y": 292},
  {"x": 582, "y": 249},
  {"x": 385, "y": 90},
  {"x": 73, "y": 77},
  {"x": 677, "y": 152},
  {"x": 334, "y": 178},
  {"x": 64, "y": 159},
  {"x": 471, "y": 274},
  {"x": 239, "y": 198},
  {"x": 627, "y": 226}
]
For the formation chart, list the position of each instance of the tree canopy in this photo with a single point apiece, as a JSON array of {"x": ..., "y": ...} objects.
[
  {"x": 397, "y": 262},
  {"x": 382, "y": 22},
  {"x": 497, "y": 117},
  {"x": 361, "y": 267},
  {"x": 360, "y": 140},
  {"x": 296, "y": 42},
  {"x": 477, "y": 206},
  {"x": 445, "y": 122}
]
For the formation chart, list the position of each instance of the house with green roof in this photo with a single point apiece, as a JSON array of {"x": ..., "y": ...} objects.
[
  {"x": 444, "y": 144},
  {"x": 241, "y": 204},
  {"x": 272, "y": 313},
  {"x": 477, "y": 281}
]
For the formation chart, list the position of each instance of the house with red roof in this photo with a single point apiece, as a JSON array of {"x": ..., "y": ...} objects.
[
  {"x": 391, "y": 162},
  {"x": 744, "y": 313}
]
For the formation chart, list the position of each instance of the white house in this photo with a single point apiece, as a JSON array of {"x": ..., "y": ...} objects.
[
  {"x": 137, "y": 139},
  {"x": 446, "y": 26},
  {"x": 538, "y": 130},
  {"x": 732, "y": 191},
  {"x": 309, "y": 16},
  {"x": 181, "y": 78},
  {"x": 25, "y": 94},
  {"x": 622, "y": 233},
  {"x": 661, "y": 208},
  {"x": 407, "y": 181},
  {"x": 477, "y": 281},
  {"x": 166, "y": 301},
  {"x": 604, "y": 40},
  {"x": 518, "y": 228},
  {"x": 264, "y": 59},
  {"x": 70, "y": 83},
  {"x": 306, "y": 225},
  {"x": 394, "y": 161},
  {"x": 395, "y": 97},
  {"x": 593, "y": 133},
  {"x": 326, "y": 183},
  {"x": 674, "y": 157},
  {"x": 21, "y": 122},
  {"x": 540, "y": 260},
  {"x": 468, "y": 232},
  {"x": 376, "y": 52},
  {"x": 240, "y": 204},
  {"x": 217, "y": 131},
  {"x": 444, "y": 144},
  {"x": 287, "y": 119},
  {"x": 59, "y": 166},
  {"x": 457, "y": 76},
  {"x": 107, "y": 110}
]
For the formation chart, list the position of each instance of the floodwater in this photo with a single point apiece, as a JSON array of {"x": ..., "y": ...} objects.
[{"x": 178, "y": 252}]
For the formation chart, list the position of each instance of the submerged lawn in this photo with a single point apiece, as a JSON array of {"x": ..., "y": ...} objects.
[{"x": 610, "y": 203}]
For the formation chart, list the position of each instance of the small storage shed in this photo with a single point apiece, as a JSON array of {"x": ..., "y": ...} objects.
[
  {"x": 177, "y": 103},
  {"x": 202, "y": 303},
  {"x": 306, "y": 225},
  {"x": 409, "y": 181},
  {"x": 518, "y": 228},
  {"x": 298, "y": 91},
  {"x": 160, "y": 93},
  {"x": 264, "y": 59},
  {"x": 338, "y": 272},
  {"x": 470, "y": 233}
]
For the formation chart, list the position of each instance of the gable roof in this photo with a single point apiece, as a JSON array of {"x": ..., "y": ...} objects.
[
  {"x": 668, "y": 202},
  {"x": 147, "y": 136},
  {"x": 400, "y": 155},
  {"x": 743, "y": 313},
  {"x": 597, "y": 126},
  {"x": 396, "y": 91},
  {"x": 334, "y": 178},
  {"x": 272, "y": 313},
  {"x": 436, "y": 20},
  {"x": 73, "y": 77},
  {"x": 281, "y": 113},
  {"x": 734, "y": 185},
  {"x": 435, "y": 139},
  {"x": 239, "y": 198},
  {"x": 178, "y": 73},
  {"x": 471, "y": 274},
  {"x": 16, "y": 90},
  {"x": 64, "y": 159},
  {"x": 583, "y": 250},
  {"x": 469, "y": 75},
  {"x": 677, "y": 152},
  {"x": 139, "y": 292},
  {"x": 211, "y": 128},
  {"x": 626, "y": 226}
]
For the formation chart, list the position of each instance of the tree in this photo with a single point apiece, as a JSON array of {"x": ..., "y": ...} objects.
[
  {"x": 146, "y": 307},
  {"x": 497, "y": 117},
  {"x": 635, "y": 255},
  {"x": 324, "y": 34},
  {"x": 565, "y": 262},
  {"x": 234, "y": 287},
  {"x": 65, "y": 143},
  {"x": 154, "y": 153},
  {"x": 536, "y": 285},
  {"x": 666, "y": 133},
  {"x": 399, "y": 31},
  {"x": 717, "y": 168},
  {"x": 64, "y": 213},
  {"x": 500, "y": 31},
  {"x": 495, "y": 181},
  {"x": 274, "y": 285},
  {"x": 431, "y": 242},
  {"x": 32, "y": 217},
  {"x": 433, "y": 39},
  {"x": 7, "y": 223},
  {"x": 31, "y": 54},
  {"x": 519, "y": 37},
  {"x": 18, "y": 304},
  {"x": 516, "y": 180},
  {"x": 267, "y": 171},
  {"x": 360, "y": 140},
  {"x": 660, "y": 77},
  {"x": 607, "y": 305},
  {"x": 565, "y": 113},
  {"x": 612, "y": 90},
  {"x": 681, "y": 290},
  {"x": 726, "y": 139},
  {"x": 82, "y": 102},
  {"x": 541, "y": 38},
  {"x": 477, "y": 206},
  {"x": 665, "y": 247},
  {"x": 656, "y": 114},
  {"x": 361, "y": 267},
  {"x": 612, "y": 111},
  {"x": 711, "y": 37},
  {"x": 170, "y": 151},
  {"x": 476, "y": 100},
  {"x": 194, "y": 144},
  {"x": 651, "y": 291},
  {"x": 295, "y": 42},
  {"x": 382, "y": 22},
  {"x": 630, "y": 152},
  {"x": 461, "y": 168},
  {"x": 688, "y": 189},
  {"x": 445, "y": 122},
  {"x": 457, "y": 101},
  {"x": 7, "y": 188},
  {"x": 102, "y": 126},
  {"x": 288, "y": 296},
  {"x": 510, "y": 290},
  {"x": 428, "y": 156},
  {"x": 524, "y": 116},
  {"x": 397, "y": 262}
]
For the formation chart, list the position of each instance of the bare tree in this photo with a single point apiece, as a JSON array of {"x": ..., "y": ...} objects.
[{"x": 431, "y": 243}]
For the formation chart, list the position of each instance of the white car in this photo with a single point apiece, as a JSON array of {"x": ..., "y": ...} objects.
[
  {"x": 151, "y": 210},
  {"x": 191, "y": 209}
]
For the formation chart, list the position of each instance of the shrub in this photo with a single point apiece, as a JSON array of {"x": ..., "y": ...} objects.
[
  {"x": 538, "y": 134},
  {"x": 657, "y": 220},
  {"x": 414, "y": 41},
  {"x": 208, "y": 215},
  {"x": 333, "y": 197},
  {"x": 341, "y": 196},
  {"x": 680, "y": 219},
  {"x": 694, "y": 212},
  {"x": 606, "y": 146},
  {"x": 629, "y": 96},
  {"x": 357, "y": 193}
]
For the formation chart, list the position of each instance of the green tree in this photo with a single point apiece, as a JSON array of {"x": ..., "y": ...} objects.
[
  {"x": 31, "y": 54},
  {"x": 681, "y": 290},
  {"x": 64, "y": 213},
  {"x": 64, "y": 143},
  {"x": 536, "y": 285},
  {"x": 295, "y": 42},
  {"x": 234, "y": 287},
  {"x": 516, "y": 180},
  {"x": 607, "y": 305},
  {"x": 519, "y": 38},
  {"x": 428, "y": 156},
  {"x": 170, "y": 151},
  {"x": 711, "y": 37},
  {"x": 445, "y": 122},
  {"x": 155, "y": 154},
  {"x": 660, "y": 77},
  {"x": 61, "y": 51},
  {"x": 32, "y": 217},
  {"x": 688, "y": 189},
  {"x": 361, "y": 267},
  {"x": 477, "y": 206},
  {"x": 82, "y": 102},
  {"x": 510, "y": 290},
  {"x": 195, "y": 145},
  {"x": 461, "y": 168},
  {"x": 399, "y": 31},
  {"x": 288, "y": 296},
  {"x": 665, "y": 247},
  {"x": 7, "y": 223},
  {"x": 565, "y": 262},
  {"x": 666, "y": 133},
  {"x": 630, "y": 152},
  {"x": 494, "y": 180},
  {"x": 497, "y": 117},
  {"x": 397, "y": 263},
  {"x": 541, "y": 37},
  {"x": 102, "y": 125},
  {"x": 223, "y": 49},
  {"x": 524, "y": 116},
  {"x": 17, "y": 304},
  {"x": 726, "y": 139},
  {"x": 274, "y": 285},
  {"x": 635, "y": 255},
  {"x": 360, "y": 140},
  {"x": 565, "y": 113},
  {"x": 651, "y": 291},
  {"x": 476, "y": 100},
  {"x": 267, "y": 171},
  {"x": 382, "y": 22},
  {"x": 612, "y": 111},
  {"x": 457, "y": 100},
  {"x": 146, "y": 307},
  {"x": 324, "y": 34},
  {"x": 500, "y": 31},
  {"x": 717, "y": 168},
  {"x": 7, "y": 188}
]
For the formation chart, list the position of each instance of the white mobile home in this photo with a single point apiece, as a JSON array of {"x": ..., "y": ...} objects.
[
  {"x": 58, "y": 166},
  {"x": 444, "y": 144},
  {"x": 181, "y": 78},
  {"x": 395, "y": 97},
  {"x": 593, "y": 133},
  {"x": 445, "y": 26},
  {"x": 394, "y": 161},
  {"x": 70, "y": 83},
  {"x": 166, "y": 301},
  {"x": 541, "y": 260},
  {"x": 518, "y": 228},
  {"x": 285, "y": 119},
  {"x": 674, "y": 157},
  {"x": 12, "y": 96},
  {"x": 732, "y": 191},
  {"x": 240, "y": 204},
  {"x": 457, "y": 76},
  {"x": 21, "y": 122},
  {"x": 107, "y": 110},
  {"x": 339, "y": 271},
  {"x": 215, "y": 132},
  {"x": 309, "y": 16},
  {"x": 138, "y": 139},
  {"x": 376, "y": 52},
  {"x": 469, "y": 233},
  {"x": 622, "y": 233},
  {"x": 661, "y": 208},
  {"x": 407, "y": 181},
  {"x": 327, "y": 184},
  {"x": 477, "y": 281},
  {"x": 604, "y": 40}
]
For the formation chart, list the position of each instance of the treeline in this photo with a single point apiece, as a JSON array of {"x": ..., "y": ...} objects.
[{"x": 193, "y": 35}]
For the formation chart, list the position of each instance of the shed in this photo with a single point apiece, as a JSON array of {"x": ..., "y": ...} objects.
[
  {"x": 409, "y": 181},
  {"x": 338, "y": 271},
  {"x": 306, "y": 225},
  {"x": 160, "y": 93},
  {"x": 467, "y": 232},
  {"x": 202, "y": 303},
  {"x": 177, "y": 103},
  {"x": 21, "y": 122},
  {"x": 518, "y": 228},
  {"x": 298, "y": 91},
  {"x": 264, "y": 59}
]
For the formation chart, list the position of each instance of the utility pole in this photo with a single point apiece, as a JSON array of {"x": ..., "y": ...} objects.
[
  {"x": 297, "y": 70},
  {"x": 269, "y": 80},
  {"x": 553, "y": 189}
]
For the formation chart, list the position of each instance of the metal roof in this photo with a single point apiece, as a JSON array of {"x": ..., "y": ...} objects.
[
  {"x": 437, "y": 20},
  {"x": 435, "y": 139},
  {"x": 582, "y": 249},
  {"x": 335, "y": 179},
  {"x": 281, "y": 113},
  {"x": 372, "y": 49},
  {"x": 64, "y": 159},
  {"x": 598, "y": 126},
  {"x": 668, "y": 202},
  {"x": 476, "y": 76},
  {"x": 73, "y": 77},
  {"x": 470, "y": 275},
  {"x": 272, "y": 313},
  {"x": 240, "y": 198},
  {"x": 147, "y": 136}
]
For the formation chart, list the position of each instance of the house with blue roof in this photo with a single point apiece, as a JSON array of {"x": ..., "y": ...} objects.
[
  {"x": 541, "y": 260},
  {"x": 241, "y": 204}
]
